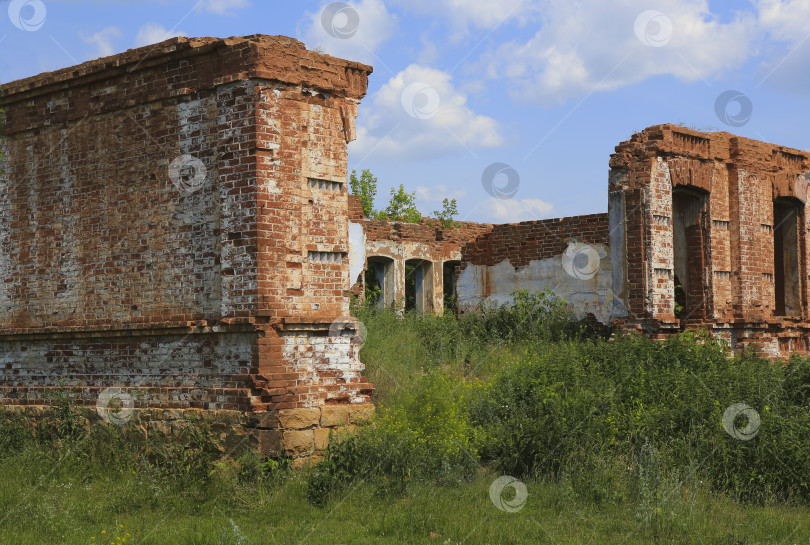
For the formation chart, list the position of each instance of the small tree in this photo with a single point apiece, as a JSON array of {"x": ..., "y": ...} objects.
[
  {"x": 448, "y": 212},
  {"x": 364, "y": 187},
  {"x": 402, "y": 207}
]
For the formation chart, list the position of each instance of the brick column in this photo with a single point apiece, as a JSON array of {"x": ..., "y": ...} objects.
[{"x": 660, "y": 283}]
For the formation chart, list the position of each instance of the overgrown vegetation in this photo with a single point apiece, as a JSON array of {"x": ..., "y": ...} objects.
[
  {"x": 365, "y": 187},
  {"x": 530, "y": 392},
  {"x": 401, "y": 205},
  {"x": 447, "y": 214},
  {"x": 627, "y": 438}
]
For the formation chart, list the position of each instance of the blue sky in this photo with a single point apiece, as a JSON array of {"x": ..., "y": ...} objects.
[{"x": 546, "y": 88}]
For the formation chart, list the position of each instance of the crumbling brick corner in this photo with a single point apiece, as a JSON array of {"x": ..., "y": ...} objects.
[{"x": 173, "y": 224}]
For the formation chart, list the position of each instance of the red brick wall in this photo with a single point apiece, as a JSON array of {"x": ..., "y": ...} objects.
[
  {"x": 429, "y": 231},
  {"x": 355, "y": 209},
  {"x": 94, "y": 236},
  {"x": 520, "y": 243}
]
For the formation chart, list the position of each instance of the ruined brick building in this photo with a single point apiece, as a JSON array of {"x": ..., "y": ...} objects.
[
  {"x": 175, "y": 225},
  {"x": 173, "y": 222}
]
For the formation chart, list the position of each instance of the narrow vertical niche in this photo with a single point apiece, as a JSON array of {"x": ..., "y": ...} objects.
[
  {"x": 689, "y": 253},
  {"x": 786, "y": 268},
  {"x": 449, "y": 272}
]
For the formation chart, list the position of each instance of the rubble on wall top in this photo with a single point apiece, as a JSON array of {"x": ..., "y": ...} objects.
[
  {"x": 674, "y": 140},
  {"x": 272, "y": 57}
]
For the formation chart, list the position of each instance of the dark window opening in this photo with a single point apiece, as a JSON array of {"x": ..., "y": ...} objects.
[
  {"x": 449, "y": 277},
  {"x": 418, "y": 285},
  {"x": 786, "y": 271},
  {"x": 689, "y": 254},
  {"x": 379, "y": 280}
]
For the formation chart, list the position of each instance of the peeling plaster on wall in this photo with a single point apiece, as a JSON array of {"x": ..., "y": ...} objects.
[
  {"x": 589, "y": 294},
  {"x": 357, "y": 251},
  {"x": 331, "y": 362}
]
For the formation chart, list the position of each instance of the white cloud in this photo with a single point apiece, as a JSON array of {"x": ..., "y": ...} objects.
[
  {"x": 475, "y": 13},
  {"x": 438, "y": 193},
  {"x": 785, "y": 23},
  {"x": 102, "y": 40},
  {"x": 224, "y": 7},
  {"x": 420, "y": 114},
  {"x": 152, "y": 33},
  {"x": 496, "y": 210},
  {"x": 785, "y": 20},
  {"x": 592, "y": 45},
  {"x": 353, "y": 33}
]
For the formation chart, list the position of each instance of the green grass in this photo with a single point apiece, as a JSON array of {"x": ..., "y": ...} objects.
[
  {"x": 61, "y": 508},
  {"x": 618, "y": 442}
]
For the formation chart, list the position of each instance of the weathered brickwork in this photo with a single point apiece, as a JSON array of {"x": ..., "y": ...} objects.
[
  {"x": 521, "y": 243},
  {"x": 198, "y": 369},
  {"x": 722, "y": 218},
  {"x": 174, "y": 222},
  {"x": 433, "y": 251}
]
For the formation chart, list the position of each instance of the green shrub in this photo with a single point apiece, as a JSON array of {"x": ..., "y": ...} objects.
[
  {"x": 188, "y": 456},
  {"x": 532, "y": 317},
  {"x": 253, "y": 468},
  {"x": 423, "y": 435},
  {"x": 15, "y": 432},
  {"x": 608, "y": 398}
]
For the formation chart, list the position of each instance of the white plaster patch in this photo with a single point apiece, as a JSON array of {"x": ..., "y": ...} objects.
[
  {"x": 325, "y": 361},
  {"x": 357, "y": 251},
  {"x": 587, "y": 294}
]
